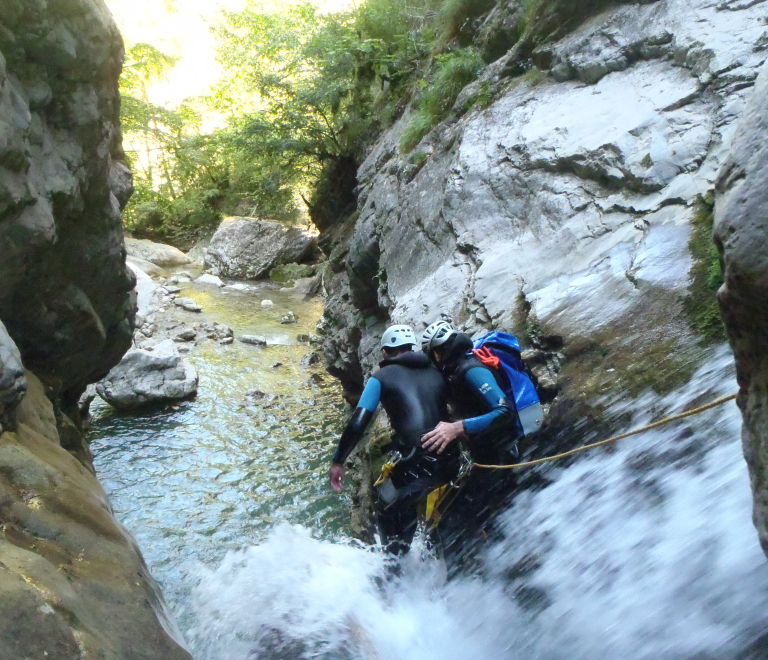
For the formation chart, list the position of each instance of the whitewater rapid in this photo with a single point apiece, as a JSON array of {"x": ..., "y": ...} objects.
[{"x": 645, "y": 552}]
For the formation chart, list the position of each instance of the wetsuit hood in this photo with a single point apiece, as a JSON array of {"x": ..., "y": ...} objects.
[{"x": 410, "y": 359}]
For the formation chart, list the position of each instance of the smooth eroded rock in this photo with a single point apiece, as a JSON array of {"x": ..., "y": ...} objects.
[
  {"x": 73, "y": 583},
  {"x": 187, "y": 304},
  {"x": 741, "y": 230},
  {"x": 156, "y": 253},
  {"x": 248, "y": 248},
  {"x": 208, "y": 278},
  {"x": 145, "y": 377}
]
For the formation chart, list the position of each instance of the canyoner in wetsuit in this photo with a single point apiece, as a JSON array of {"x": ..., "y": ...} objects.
[
  {"x": 414, "y": 396},
  {"x": 488, "y": 421}
]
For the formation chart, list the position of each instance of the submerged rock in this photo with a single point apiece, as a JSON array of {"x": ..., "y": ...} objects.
[
  {"x": 741, "y": 230},
  {"x": 290, "y": 317},
  {"x": 188, "y": 304},
  {"x": 291, "y": 272},
  {"x": 248, "y": 248},
  {"x": 156, "y": 253},
  {"x": 185, "y": 335},
  {"x": 144, "y": 377},
  {"x": 265, "y": 304}
]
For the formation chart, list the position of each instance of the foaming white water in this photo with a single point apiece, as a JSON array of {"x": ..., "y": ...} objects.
[{"x": 646, "y": 552}]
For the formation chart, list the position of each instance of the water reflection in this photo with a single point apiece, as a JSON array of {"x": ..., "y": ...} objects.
[{"x": 197, "y": 479}]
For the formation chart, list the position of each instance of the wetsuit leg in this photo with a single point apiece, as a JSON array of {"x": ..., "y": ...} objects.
[{"x": 414, "y": 480}]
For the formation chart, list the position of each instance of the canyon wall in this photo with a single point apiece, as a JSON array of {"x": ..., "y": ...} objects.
[
  {"x": 73, "y": 583},
  {"x": 571, "y": 205}
]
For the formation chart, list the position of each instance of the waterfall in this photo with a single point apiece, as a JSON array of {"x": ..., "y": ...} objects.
[{"x": 644, "y": 552}]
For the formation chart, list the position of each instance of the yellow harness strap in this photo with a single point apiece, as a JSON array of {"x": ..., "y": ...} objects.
[
  {"x": 385, "y": 470},
  {"x": 434, "y": 499}
]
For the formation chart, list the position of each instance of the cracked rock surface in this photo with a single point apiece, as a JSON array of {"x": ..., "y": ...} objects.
[
  {"x": 741, "y": 230},
  {"x": 563, "y": 210}
]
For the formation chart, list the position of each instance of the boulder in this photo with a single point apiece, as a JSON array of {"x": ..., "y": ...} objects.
[
  {"x": 145, "y": 377},
  {"x": 208, "y": 278},
  {"x": 156, "y": 253},
  {"x": 741, "y": 231},
  {"x": 147, "y": 291},
  {"x": 248, "y": 248},
  {"x": 145, "y": 266}
]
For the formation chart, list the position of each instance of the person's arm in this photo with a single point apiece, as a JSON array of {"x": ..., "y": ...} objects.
[
  {"x": 354, "y": 430},
  {"x": 483, "y": 382}
]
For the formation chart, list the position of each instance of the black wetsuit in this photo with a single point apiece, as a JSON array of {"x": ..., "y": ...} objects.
[
  {"x": 488, "y": 442},
  {"x": 415, "y": 397}
]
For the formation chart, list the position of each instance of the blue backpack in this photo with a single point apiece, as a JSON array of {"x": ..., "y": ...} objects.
[{"x": 500, "y": 351}]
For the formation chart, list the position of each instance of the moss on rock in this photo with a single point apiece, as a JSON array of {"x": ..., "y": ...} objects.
[{"x": 706, "y": 276}]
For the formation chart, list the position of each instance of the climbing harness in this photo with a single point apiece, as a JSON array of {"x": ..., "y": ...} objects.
[
  {"x": 441, "y": 498},
  {"x": 394, "y": 458}
]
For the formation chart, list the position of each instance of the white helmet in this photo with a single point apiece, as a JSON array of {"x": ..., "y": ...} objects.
[
  {"x": 398, "y": 335},
  {"x": 437, "y": 334}
]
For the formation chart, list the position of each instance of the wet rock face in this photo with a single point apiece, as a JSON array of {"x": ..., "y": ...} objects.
[
  {"x": 64, "y": 288},
  {"x": 562, "y": 211},
  {"x": 72, "y": 581},
  {"x": 741, "y": 231},
  {"x": 248, "y": 249}
]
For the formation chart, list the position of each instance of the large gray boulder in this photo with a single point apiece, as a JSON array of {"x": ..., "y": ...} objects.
[
  {"x": 741, "y": 230},
  {"x": 156, "y": 253},
  {"x": 247, "y": 248},
  {"x": 145, "y": 377}
]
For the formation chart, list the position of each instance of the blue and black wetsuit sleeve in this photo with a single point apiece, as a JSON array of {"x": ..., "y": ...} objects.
[
  {"x": 481, "y": 380},
  {"x": 360, "y": 420}
]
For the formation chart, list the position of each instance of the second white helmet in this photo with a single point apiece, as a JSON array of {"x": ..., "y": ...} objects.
[
  {"x": 398, "y": 335},
  {"x": 436, "y": 335}
]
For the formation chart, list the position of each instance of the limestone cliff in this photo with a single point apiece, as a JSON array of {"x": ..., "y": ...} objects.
[
  {"x": 741, "y": 231},
  {"x": 73, "y": 584},
  {"x": 560, "y": 208},
  {"x": 64, "y": 286}
]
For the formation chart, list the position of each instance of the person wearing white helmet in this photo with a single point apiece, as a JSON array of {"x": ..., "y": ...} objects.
[
  {"x": 414, "y": 396},
  {"x": 488, "y": 419}
]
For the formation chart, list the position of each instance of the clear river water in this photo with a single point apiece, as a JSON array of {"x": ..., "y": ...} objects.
[{"x": 644, "y": 552}]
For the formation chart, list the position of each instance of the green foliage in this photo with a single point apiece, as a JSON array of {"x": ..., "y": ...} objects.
[
  {"x": 454, "y": 71},
  {"x": 304, "y": 96},
  {"x": 706, "y": 276},
  {"x": 455, "y": 18}
]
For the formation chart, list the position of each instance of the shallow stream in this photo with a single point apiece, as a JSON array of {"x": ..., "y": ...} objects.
[
  {"x": 645, "y": 552},
  {"x": 197, "y": 479}
]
